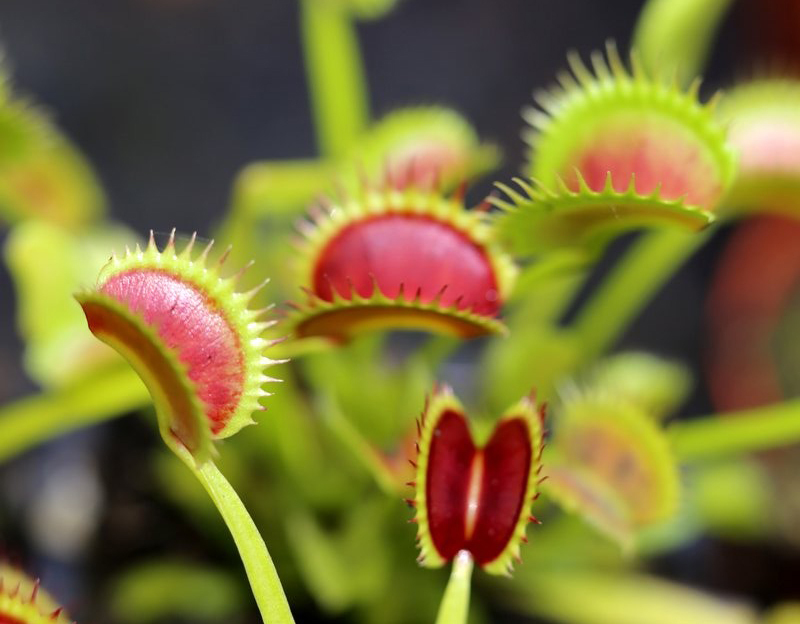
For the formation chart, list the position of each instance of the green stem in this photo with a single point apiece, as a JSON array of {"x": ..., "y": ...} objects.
[
  {"x": 335, "y": 76},
  {"x": 632, "y": 283},
  {"x": 746, "y": 431},
  {"x": 264, "y": 581},
  {"x": 675, "y": 36},
  {"x": 280, "y": 188},
  {"x": 360, "y": 447},
  {"x": 101, "y": 396},
  {"x": 455, "y": 604}
]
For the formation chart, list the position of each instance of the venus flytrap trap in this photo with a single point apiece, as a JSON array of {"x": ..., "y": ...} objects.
[
  {"x": 400, "y": 259},
  {"x": 23, "y": 601},
  {"x": 191, "y": 337},
  {"x": 613, "y": 150},
  {"x": 610, "y": 462},
  {"x": 764, "y": 124},
  {"x": 473, "y": 502},
  {"x": 41, "y": 174},
  {"x": 424, "y": 147}
]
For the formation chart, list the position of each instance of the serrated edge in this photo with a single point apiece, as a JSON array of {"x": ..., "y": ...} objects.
[
  {"x": 246, "y": 323},
  {"x": 523, "y": 210},
  {"x": 325, "y": 223},
  {"x": 436, "y": 404},
  {"x": 609, "y": 83}
]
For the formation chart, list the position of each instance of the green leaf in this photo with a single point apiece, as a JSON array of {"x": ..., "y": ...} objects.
[
  {"x": 156, "y": 590},
  {"x": 746, "y": 431},
  {"x": 48, "y": 264},
  {"x": 656, "y": 385},
  {"x": 98, "y": 397},
  {"x": 602, "y": 597},
  {"x": 733, "y": 498}
]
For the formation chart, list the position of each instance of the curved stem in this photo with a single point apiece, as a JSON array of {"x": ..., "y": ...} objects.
[
  {"x": 102, "y": 396},
  {"x": 264, "y": 581},
  {"x": 676, "y": 35},
  {"x": 630, "y": 286},
  {"x": 360, "y": 447},
  {"x": 455, "y": 604},
  {"x": 746, "y": 431},
  {"x": 335, "y": 76}
]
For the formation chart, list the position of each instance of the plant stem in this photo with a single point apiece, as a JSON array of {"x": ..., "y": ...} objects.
[
  {"x": 335, "y": 76},
  {"x": 264, "y": 581},
  {"x": 630, "y": 286},
  {"x": 101, "y": 396},
  {"x": 455, "y": 604},
  {"x": 360, "y": 447},
  {"x": 737, "y": 432},
  {"x": 281, "y": 188}
]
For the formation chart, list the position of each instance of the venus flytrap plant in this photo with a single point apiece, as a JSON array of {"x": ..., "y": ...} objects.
[
  {"x": 611, "y": 462},
  {"x": 612, "y": 151},
  {"x": 41, "y": 174},
  {"x": 424, "y": 147},
  {"x": 23, "y": 601},
  {"x": 764, "y": 124},
  {"x": 400, "y": 259},
  {"x": 196, "y": 345},
  {"x": 473, "y": 503}
]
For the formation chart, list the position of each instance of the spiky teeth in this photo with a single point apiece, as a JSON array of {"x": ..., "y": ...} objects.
[
  {"x": 615, "y": 146},
  {"x": 400, "y": 259},
  {"x": 764, "y": 121},
  {"x": 471, "y": 498},
  {"x": 536, "y": 219},
  {"x": 189, "y": 334},
  {"x": 425, "y": 147},
  {"x": 22, "y": 601},
  {"x": 610, "y": 462}
]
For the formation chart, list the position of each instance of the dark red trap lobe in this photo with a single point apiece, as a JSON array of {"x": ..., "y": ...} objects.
[
  {"x": 507, "y": 463},
  {"x": 502, "y": 470},
  {"x": 190, "y": 324},
  {"x": 7, "y": 619},
  {"x": 419, "y": 253},
  {"x": 449, "y": 464}
]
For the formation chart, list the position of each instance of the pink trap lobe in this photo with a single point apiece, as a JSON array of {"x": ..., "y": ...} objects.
[
  {"x": 188, "y": 323},
  {"x": 417, "y": 252},
  {"x": 656, "y": 154}
]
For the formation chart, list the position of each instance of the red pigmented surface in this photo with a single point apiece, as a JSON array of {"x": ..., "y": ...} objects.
[
  {"x": 506, "y": 468},
  {"x": 7, "y": 619},
  {"x": 423, "y": 164},
  {"x": 418, "y": 252},
  {"x": 656, "y": 154},
  {"x": 189, "y": 323},
  {"x": 507, "y": 464},
  {"x": 449, "y": 464},
  {"x": 755, "y": 282},
  {"x": 768, "y": 144}
]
